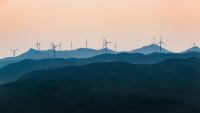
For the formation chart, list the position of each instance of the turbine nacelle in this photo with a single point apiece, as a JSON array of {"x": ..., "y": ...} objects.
[
  {"x": 105, "y": 44},
  {"x": 14, "y": 52},
  {"x": 161, "y": 43},
  {"x": 54, "y": 46}
]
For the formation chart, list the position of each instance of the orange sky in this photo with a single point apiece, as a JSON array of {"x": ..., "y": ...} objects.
[{"x": 129, "y": 23}]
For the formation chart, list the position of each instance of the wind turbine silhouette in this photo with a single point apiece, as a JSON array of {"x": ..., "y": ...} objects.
[
  {"x": 154, "y": 40},
  {"x": 54, "y": 46},
  {"x": 105, "y": 45},
  {"x": 194, "y": 44},
  {"x": 38, "y": 45},
  {"x": 115, "y": 48},
  {"x": 71, "y": 46},
  {"x": 86, "y": 44},
  {"x": 14, "y": 52},
  {"x": 161, "y": 43},
  {"x": 60, "y": 46}
]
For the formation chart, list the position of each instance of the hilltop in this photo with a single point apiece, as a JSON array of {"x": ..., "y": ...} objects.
[
  {"x": 193, "y": 49},
  {"x": 153, "y": 48}
]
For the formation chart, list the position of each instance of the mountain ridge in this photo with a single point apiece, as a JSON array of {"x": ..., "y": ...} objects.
[
  {"x": 82, "y": 53},
  {"x": 149, "y": 49},
  {"x": 25, "y": 66},
  {"x": 193, "y": 49}
]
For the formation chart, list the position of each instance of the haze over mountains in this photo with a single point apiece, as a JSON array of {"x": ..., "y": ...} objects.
[
  {"x": 33, "y": 60},
  {"x": 96, "y": 88},
  {"x": 82, "y": 53},
  {"x": 25, "y": 66},
  {"x": 47, "y": 54}
]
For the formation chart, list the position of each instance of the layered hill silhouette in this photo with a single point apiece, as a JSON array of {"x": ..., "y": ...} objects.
[
  {"x": 153, "y": 48},
  {"x": 13, "y": 71},
  {"x": 47, "y": 54},
  {"x": 83, "y": 53},
  {"x": 171, "y": 86},
  {"x": 193, "y": 49}
]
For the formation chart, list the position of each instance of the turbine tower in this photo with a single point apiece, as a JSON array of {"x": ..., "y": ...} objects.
[
  {"x": 54, "y": 46},
  {"x": 115, "y": 48},
  {"x": 105, "y": 45},
  {"x": 161, "y": 43},
  {"x": 86, "y": 44},
  {"x": 194, "y": 44},
  {"x": 14, "y": 52},
  {"x": 71, "y": 46},
  {"x": 38, "y": 45},
  {"x": 154, "y": 40},
  {"x": 60, "y": 46}
]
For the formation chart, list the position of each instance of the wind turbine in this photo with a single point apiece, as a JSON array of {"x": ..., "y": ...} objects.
[
  {"x": 38, "y": 45},
  {"x": 86, "y": 44},
  {"x": 161, "y": 43},
  {"x": 71, "y": 46},
  {"x": 54, "y": 46},
  {"x": 115, "y": 48},
  {"x": 14, "y": 52},
  {"x": 194, "y": 44},
  {"x": 154, "y": 40},
  {"x": 105, "y": 44},
  {"x": 60, "y": 46}
]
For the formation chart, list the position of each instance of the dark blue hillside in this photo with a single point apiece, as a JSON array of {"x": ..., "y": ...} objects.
[{"x": 171, "y": 86}]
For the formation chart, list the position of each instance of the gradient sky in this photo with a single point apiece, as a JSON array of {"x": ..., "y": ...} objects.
[{"x": 129, "y": 23}]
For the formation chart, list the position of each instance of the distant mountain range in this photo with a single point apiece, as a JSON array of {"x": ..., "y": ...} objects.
[
  {"x": 82, "y": 53},
  {"x": 13, "y": 71},
  {"x": 171, "y": 86},
  {"x": 36, "y": 55},
  {"x": 78, "y": 53}
]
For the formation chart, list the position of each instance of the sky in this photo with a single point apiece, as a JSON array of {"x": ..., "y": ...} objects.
[{"x": 128, "y": 23}]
